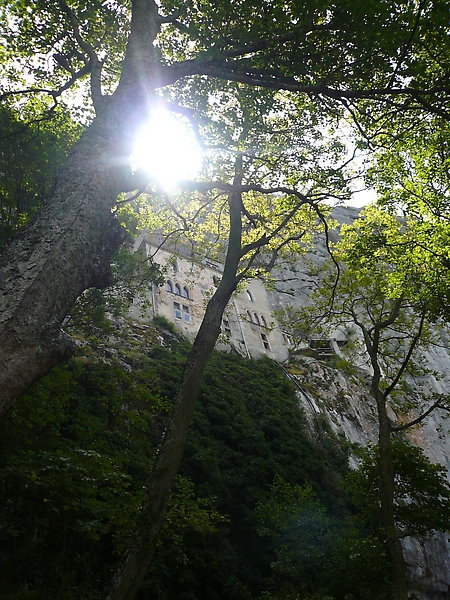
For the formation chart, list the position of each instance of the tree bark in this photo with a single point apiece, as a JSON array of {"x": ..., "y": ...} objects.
[
  {"x": 386, "y": 462},
  {"x": 68, "y": 247},
  {"x": 387, "y": 500},
  {"x": 66, "y": 250}
]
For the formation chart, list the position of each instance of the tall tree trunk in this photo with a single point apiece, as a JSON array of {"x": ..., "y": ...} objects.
[
  {"x": 66, "y": 250},
  {"x": 387, "y": 501},
  {"x": 68, "y": 247},
  {"x": 135, "y": 563}
]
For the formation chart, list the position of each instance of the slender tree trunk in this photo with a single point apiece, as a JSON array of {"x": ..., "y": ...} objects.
[
  {"x": 387, "y": 501},
  {"x": 135, "y": 564}
]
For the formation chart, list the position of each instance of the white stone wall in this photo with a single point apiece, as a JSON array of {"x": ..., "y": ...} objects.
[{"x": 248, "y": 326}]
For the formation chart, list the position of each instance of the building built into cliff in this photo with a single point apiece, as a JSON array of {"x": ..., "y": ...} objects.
[{"x": 248, "y": 326}]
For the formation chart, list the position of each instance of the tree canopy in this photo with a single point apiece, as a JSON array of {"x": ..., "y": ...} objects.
[
  {"x": 371, "y": 62},
  {"x": 265, "y": 86}
]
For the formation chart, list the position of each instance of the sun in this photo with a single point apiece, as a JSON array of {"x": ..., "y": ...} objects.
[{"x": 167, "y": 150}]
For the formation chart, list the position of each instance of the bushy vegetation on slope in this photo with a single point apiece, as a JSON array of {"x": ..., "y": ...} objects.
[{"x": 258, "y": 510}]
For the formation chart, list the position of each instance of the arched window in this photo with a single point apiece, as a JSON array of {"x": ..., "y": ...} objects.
[
  {"x": 250, "y": 295},
  {"x": 177, "y": 289},
  {"x": 185, "y": 293},
  {"x": 249, "y": 317},
  {"x": 175, "y": 266},
  {"x": 263, "y": 321},
  {"x": 169, "y": 286},
  {"x": 257, "y": 319}
]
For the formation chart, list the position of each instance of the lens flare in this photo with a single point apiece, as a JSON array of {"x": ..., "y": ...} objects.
[{"x": 167, "y": 150}]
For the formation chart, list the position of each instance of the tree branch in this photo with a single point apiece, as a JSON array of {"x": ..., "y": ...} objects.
[
  {"x": 423, "y": 416},
  {"x": 223, "y": 68},
  {"x": 408, "y": 43},
  {"x": 141, "y": 70},
  {"x": 407, "y": 358},
  {"x": 94, "y": 64}
]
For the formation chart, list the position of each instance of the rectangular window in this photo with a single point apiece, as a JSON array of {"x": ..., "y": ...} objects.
[
  {"x": 186, "y": 314},
  {"x": 177, "y": 310},
  {"x": 265, "y": 341}
]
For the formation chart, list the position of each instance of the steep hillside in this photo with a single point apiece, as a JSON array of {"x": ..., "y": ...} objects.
[{"x": 260, "y": 510}]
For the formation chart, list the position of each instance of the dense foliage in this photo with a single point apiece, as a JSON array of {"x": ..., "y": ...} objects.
[
  {"x": 422, "y": 491},
  {"x": 33, "y": 149},
  {"x": 258, "y": 510},
  {"x": 378, "y": 63}
]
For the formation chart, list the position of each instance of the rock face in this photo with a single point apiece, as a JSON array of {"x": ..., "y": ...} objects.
[{"x": 344, "y": 398}]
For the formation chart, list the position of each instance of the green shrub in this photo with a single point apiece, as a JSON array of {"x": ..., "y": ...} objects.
[{"x": 161, "y": 321}]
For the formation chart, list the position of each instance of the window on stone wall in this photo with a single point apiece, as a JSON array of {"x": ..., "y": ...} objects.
[
  {"x": 169, "y": 286},
  {"x": 177, "y": 289},
  {"x": 263, "y": 321},
  {"x": 249, "y": 317},
  {"x": 265, "y": 341},
  {"x": 186, "y": 314},
  {"x": 256, "y": 319},
  {"x": 177, "y": 310},
  {"x": 250, "y": 295},
  {"x": 185, "y": 293}
]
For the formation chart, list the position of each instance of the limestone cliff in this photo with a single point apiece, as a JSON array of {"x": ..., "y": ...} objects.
[{"x": 343, "y": 397}]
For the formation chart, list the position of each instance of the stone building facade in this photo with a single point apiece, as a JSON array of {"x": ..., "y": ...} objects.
[{"x": 248, "y": 326}]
